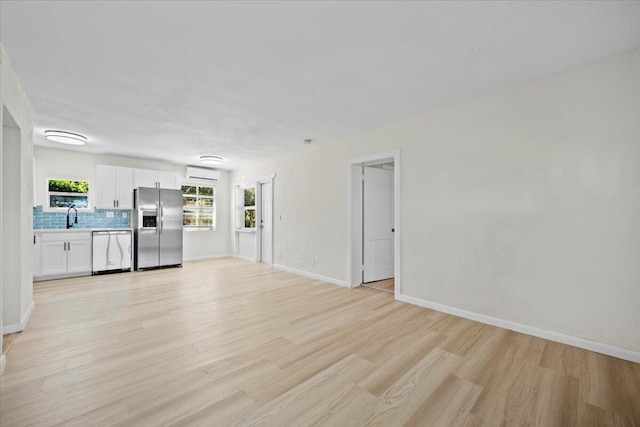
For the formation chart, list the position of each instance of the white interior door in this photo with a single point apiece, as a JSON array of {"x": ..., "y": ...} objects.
[
  {"x": 378, "y": 224},
  {"x": 266, "y": 232}
]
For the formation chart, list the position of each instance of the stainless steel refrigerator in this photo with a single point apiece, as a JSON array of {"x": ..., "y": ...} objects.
[{"x": 157, "y": 223}]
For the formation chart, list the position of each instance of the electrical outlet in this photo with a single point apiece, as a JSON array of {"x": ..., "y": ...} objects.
[
  {"x": 110, "y": 214},
  {"x": 124, "y": 215}
]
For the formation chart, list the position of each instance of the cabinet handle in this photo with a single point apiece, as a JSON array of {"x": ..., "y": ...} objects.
[
  {"x": 117, "y": 203},
  {"x": 34, "y": 239}
]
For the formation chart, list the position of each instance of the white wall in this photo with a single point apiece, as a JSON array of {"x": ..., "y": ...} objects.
[
  {"x": 246, "y": 242},
  {"x": 15, "y": 280},
  {"x": 11, "y": 313},
  {"x": 521, "y": 205},
  {"x": 54, "y": 163},
  {"x": 214, "y": 243}
]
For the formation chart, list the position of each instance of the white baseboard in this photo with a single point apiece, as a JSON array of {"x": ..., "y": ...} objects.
[
  {"x": 311, "y": 275},
  {"x": 609, "y": 350},
  {"x": 200, "y": 258},
  {"x": 19, "y": 327},
  {"x": 246, "y": 258},
  {"x": 3, "y": 363}
]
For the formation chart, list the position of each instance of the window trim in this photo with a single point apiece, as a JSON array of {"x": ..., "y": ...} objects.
[
  {"x": 242, "y": 208},
  {"x": 249, "y": 208},
  {"x": 47, "y": 208},
  {"x": 191, "y": 228}
]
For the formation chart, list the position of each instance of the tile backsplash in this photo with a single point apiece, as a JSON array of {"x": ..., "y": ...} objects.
[{"x": 96, "y": 219}]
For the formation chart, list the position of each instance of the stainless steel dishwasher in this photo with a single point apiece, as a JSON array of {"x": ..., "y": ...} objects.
[{"x": 112, "y": 251}]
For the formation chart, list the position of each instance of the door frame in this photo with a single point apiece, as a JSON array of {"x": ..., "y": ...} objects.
[
  {"x": 354, "y": 217},
  {"x": 237, "y": 229},
  {"x": 259, "y": 242}
]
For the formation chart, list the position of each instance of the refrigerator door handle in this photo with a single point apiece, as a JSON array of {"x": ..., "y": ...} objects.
[
  {"x": 158, "y": 217},
  {"x": 161, "y": 216}
]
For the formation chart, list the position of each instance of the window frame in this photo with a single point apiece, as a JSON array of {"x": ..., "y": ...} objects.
[
  {"x": 46, "y": 207},
  {"x": 244, "y": 208},
  {"x": 212, "y": 208}
]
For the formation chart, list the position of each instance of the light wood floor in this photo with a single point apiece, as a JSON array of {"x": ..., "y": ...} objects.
[
  {"x": 386, "y": 285},
  {"x": 228, "y": 342}
]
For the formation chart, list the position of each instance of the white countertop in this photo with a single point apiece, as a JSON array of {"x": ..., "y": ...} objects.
[{"x": 78, "y": 230}]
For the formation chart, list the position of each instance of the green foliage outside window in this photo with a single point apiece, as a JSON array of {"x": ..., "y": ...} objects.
[
  {"x": 66, "y": 193},
  {"x": 250, "y": 197},
  {"x": 66, "y": 186},
  {"x": 249, "y": 207},
  {"x": 250, "y": 218}
]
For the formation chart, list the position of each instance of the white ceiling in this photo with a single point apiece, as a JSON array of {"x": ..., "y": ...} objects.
[{"x": 176, "y": 80}]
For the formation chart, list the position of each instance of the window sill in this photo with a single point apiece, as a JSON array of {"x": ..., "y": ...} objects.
[
  {"x": 190, "y": 229},
  {"x": 65, "y": 210},
  {"x": 245, "y": 230}
]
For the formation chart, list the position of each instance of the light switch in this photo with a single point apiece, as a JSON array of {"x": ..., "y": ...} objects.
[{"x": 110, "y": 214}]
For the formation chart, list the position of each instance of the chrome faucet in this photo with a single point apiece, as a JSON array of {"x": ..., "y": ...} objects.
[{"x": 69, "y": 223}]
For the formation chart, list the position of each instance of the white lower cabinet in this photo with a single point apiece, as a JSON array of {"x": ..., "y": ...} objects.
[{"x": 63, "y": 254}]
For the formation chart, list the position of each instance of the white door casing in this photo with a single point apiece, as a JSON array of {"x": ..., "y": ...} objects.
[
  {"x": 266, "y": 234},
  {"x": 378, "y": 238}
]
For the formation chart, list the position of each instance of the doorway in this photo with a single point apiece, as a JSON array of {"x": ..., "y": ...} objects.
[
  {"x": 378, "y": 225},
  {"x": 374, "y": 222}
]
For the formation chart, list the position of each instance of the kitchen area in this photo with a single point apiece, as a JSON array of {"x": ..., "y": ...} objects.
[{"x": 116, "y": 219}]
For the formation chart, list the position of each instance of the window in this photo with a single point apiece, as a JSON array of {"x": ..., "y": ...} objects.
[
  {"x": 249, "y": 207},
  {"x": 199, "y": 207},
  {"x": 63, "y": 194}
]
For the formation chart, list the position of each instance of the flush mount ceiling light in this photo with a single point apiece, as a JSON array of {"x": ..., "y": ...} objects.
[
  {"x": 64, "y": 137},
  {"x": 211, "y": 160}
]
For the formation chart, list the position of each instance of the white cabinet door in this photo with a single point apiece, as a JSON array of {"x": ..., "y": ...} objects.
[
  {"x": 168, "y": 180},
  {"x": 115, "y": 187},
  {"x": 144, "y": 178},
  {"x": 124, "y": 188},
  {"x": 155, "y": 179},
  {"x": 54, "y": 258},
  {"x": 79, "y": 256},
  {"x": 64, "y": 253},
  {"x": 106, "y": 183}
]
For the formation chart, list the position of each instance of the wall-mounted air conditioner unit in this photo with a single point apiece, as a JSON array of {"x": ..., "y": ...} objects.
[{"x": 202, "y": 174}]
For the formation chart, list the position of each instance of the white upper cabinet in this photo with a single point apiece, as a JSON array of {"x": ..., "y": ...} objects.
[
  {"x": 144, "y": 178},
  {"x": 168, "y": 180},
  {"x": 115, "y": 187},
  {"x": 155, "y": 179}
]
